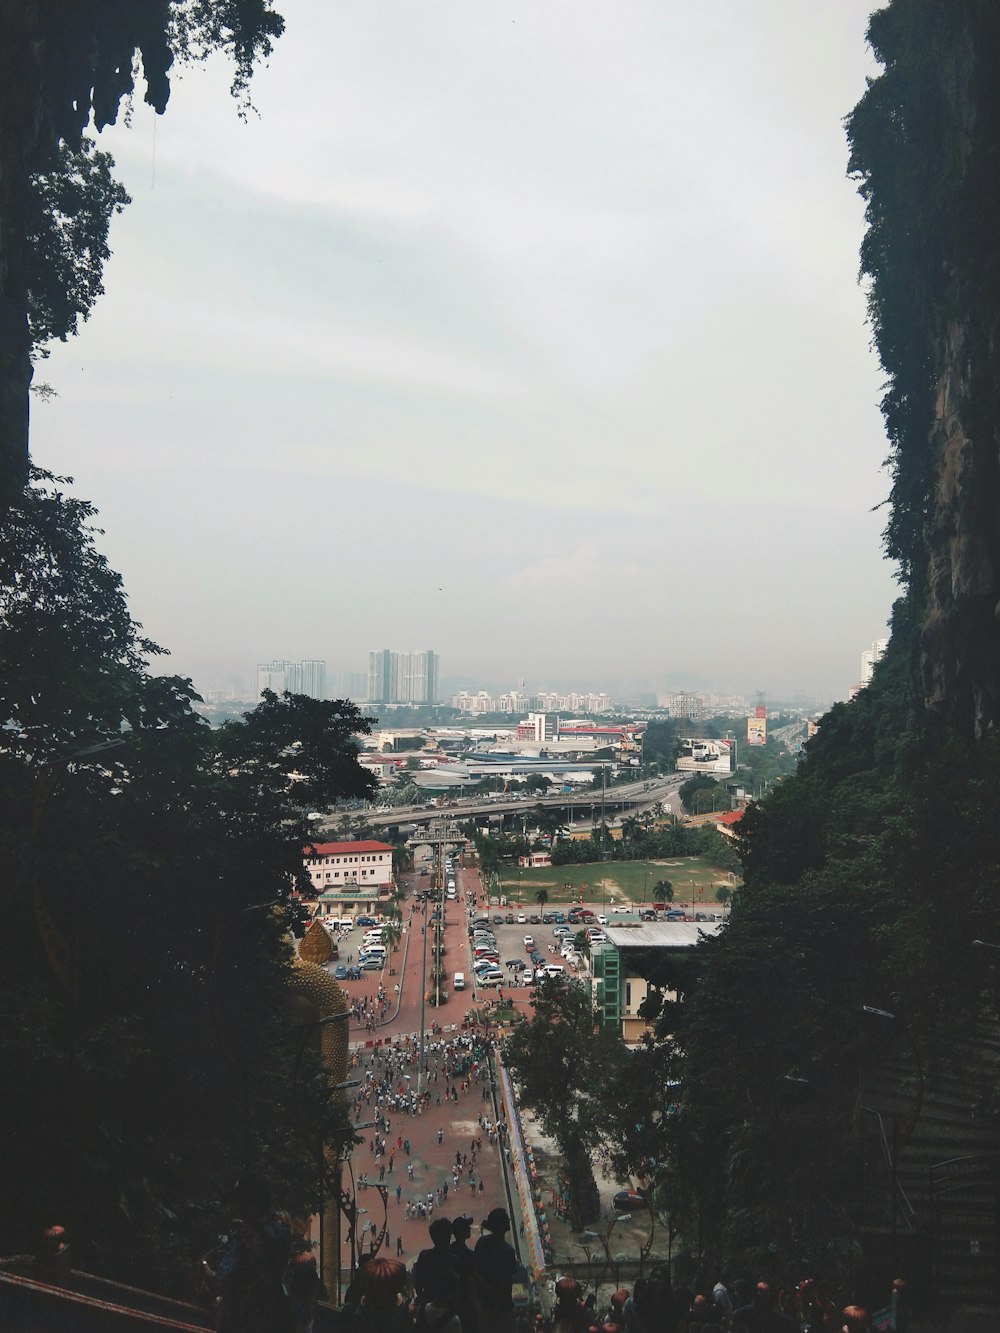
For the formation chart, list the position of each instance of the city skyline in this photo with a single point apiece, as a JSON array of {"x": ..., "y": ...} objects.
[{"x": 553, "y": 693}]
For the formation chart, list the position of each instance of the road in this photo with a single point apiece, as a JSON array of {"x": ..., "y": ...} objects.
[
  {"x": 642, "y": 794},
  {"x": 445, "y": 1127}
]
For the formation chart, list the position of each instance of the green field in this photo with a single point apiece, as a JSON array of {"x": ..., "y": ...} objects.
[{"x": 694, "y": 880}]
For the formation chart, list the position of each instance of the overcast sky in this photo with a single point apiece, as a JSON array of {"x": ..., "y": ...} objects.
[{"x": 527, "y": 332}]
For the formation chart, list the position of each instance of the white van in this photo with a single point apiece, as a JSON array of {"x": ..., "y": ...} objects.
[{"x": 459, "y": 982}]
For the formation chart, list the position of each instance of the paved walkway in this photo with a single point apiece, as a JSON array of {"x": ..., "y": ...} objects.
[{"x": 446, "y": 1129}]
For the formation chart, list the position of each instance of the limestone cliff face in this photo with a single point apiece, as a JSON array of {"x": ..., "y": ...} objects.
[
  {"x": 960, "y": 633},
  {"x": 925, "y": 148}
]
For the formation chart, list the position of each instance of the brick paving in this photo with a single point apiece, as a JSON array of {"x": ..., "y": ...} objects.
[{"x": 444, "y": 1127}]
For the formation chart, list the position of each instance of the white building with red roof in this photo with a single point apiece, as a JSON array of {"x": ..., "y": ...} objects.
[{"x": 349, "y": 875}]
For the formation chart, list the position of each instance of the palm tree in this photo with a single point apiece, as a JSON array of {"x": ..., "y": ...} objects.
[
  {"x": 542, "y": 897},
  {"x": 392, "y": 933}
]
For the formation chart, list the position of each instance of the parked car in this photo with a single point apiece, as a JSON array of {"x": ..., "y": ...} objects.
[
  {"x": 548, "y": 918},
  {"x": 534, "y": 919},
  {"x": 529, "y": 941},
  {"x": 366, "y": 921},
  {"x": 602, "y": 920},
  {"x": 628, "y": 1201},
  {"x": 374, "y": 963},
  {"x": 560, "y": 917},
  {"x": 521, "y": 919},
  {"x": 647, "y": 916},
  {"x": 340, "y": 972},
  {"x": 498, "y": 920},
  {"x": 509, "y": 918}
]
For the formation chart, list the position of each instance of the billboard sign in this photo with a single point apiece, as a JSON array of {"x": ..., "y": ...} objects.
[
  {"x": 698, "y": 755},
  {"x": 756, "y": 731}
]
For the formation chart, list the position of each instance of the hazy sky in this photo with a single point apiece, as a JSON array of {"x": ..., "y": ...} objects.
[{"x": 527, "y": 332}]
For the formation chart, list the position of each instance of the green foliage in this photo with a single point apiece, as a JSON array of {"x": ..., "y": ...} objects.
[
  {"x": 849, "y": 867},
  {"x": 71, "y": 656},
  {"x": 645, "y": 844},
  {"x": 70, "y": 206},
  {"x": 561, "y": 1060},
  {"x": 147, "y": 862},
  {"x": 62, "y": 68},
  {"x": 660, "y": 742},
  {"x": 689, "y": 790}
]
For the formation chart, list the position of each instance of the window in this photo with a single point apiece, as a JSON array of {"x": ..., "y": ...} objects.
[{"x": 628, "y": 995}]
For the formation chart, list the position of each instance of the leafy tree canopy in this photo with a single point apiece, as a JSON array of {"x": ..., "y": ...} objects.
[
  {"x": 147, "y": 862},
  {"x": 561, "y": 1060},
  {"x": 66, "y": 64}
]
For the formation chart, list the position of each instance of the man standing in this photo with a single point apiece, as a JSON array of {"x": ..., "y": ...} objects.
[
  {"x": 437, "y": 1281},
  {"x": 495, "y": 1264},
  {"x": 461, "y": 1229}
]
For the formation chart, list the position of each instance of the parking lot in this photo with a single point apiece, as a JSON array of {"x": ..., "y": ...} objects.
[{"x": 511, "y": 932}]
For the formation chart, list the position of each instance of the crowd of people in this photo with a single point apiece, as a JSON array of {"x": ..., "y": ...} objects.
[{"x": 456, "y": 1070}]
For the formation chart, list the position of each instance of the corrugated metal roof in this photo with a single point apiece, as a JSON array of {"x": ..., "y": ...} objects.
[{"x": 661, "y": 934}]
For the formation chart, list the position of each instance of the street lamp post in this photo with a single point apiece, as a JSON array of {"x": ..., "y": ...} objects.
[{"x": 423, "y": 1004}]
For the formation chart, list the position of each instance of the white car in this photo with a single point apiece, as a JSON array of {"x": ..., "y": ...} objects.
[
  {"x": 602, "y": 920},
  {"x": 522, "y": 920},
  {"x": 529, "y": 941}
]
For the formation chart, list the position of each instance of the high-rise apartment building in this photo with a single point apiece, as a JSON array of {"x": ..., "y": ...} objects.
[
  {"x": 402, "y": 678},
  {"x": 868, "y": 659},
  {"x": 306, "y": 677}
]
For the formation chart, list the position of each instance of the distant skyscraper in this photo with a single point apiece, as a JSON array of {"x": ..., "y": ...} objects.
[
  {"x": 313, "y": 678},
  {"x": 869, "y": 657},
  {"x": 308, "y": 677},
  {"x": 402, "y": 678},
  {"x": 349, "y": 685}
]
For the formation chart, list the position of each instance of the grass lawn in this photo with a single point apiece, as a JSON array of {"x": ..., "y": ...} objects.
[{"x": 694, "y": 880}]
